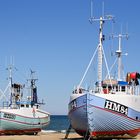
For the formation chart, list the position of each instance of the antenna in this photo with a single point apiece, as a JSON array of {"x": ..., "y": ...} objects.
[
  {"x": 121, "y": 28},
  {"x": 32, "y": 73},
  {"x": 91, "y": 10},
  {"x": 127, "y": 36},
  {"x": 103, "y": 9},
  {"x": 102, "y": 18},
  {"x": 32, "y": 79}
]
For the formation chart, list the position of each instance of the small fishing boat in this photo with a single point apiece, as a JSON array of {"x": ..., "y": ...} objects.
[{"x": 19, "y": 115}]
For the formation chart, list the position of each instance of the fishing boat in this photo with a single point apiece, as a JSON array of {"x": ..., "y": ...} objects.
[
  {"x": 19, "y": 114},
  {"x": 112, "y": 107}
]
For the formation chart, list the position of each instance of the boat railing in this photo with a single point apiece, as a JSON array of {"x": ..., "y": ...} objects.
[
  {"x": 134, "y": 90},
  {"x": 4, "y": 105},
  {"x": 128, "y": 89},
  {"x": 79, "y": 90},
  {"x": 118, "y": 89}
]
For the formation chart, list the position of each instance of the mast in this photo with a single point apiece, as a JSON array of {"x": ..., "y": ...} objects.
[
  {"x": 15, "y": 89},
  {"x": 99, "y": 48},
  {"x": 119, "y": 53},
  {"x": 34, "y": 98},
  {"x": 101, "y": 20},
  {"x": 10, "y": 84},
  {"x": 100, "y": 51}
]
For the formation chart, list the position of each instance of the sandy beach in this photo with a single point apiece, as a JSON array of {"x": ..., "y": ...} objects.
[
  {"x": 46, "y": 136},
  {"x": 42, "y": 136}
]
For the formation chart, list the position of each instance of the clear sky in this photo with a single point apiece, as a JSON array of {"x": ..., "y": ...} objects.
[{"x": 55, "y": 38}]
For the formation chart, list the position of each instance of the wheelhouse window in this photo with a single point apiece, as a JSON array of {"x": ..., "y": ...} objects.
[
  {"x": 123, "y": 88},
  {"x": 22, "y": 105}
]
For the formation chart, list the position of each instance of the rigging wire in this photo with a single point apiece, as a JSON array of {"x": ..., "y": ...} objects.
[{"x": 88, "y": 67}]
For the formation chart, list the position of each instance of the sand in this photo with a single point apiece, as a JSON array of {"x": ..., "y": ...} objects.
[{"x": 46, "y": 136}]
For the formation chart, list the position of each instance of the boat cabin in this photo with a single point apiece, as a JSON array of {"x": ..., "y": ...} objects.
[
  {"x": 27, "y": 104},
  {"x": 113, "y": 86},
  {"x": 130, "y": 86}
]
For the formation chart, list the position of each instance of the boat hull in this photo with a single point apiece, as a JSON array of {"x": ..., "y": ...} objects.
[
  {"x": 23, "y": 121},
  {"x": 105, "y": 115},
  {"x": 78, "y": 115}
]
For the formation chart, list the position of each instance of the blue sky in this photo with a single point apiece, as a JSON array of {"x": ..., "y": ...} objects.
[{"x": 55, "y": 38}]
